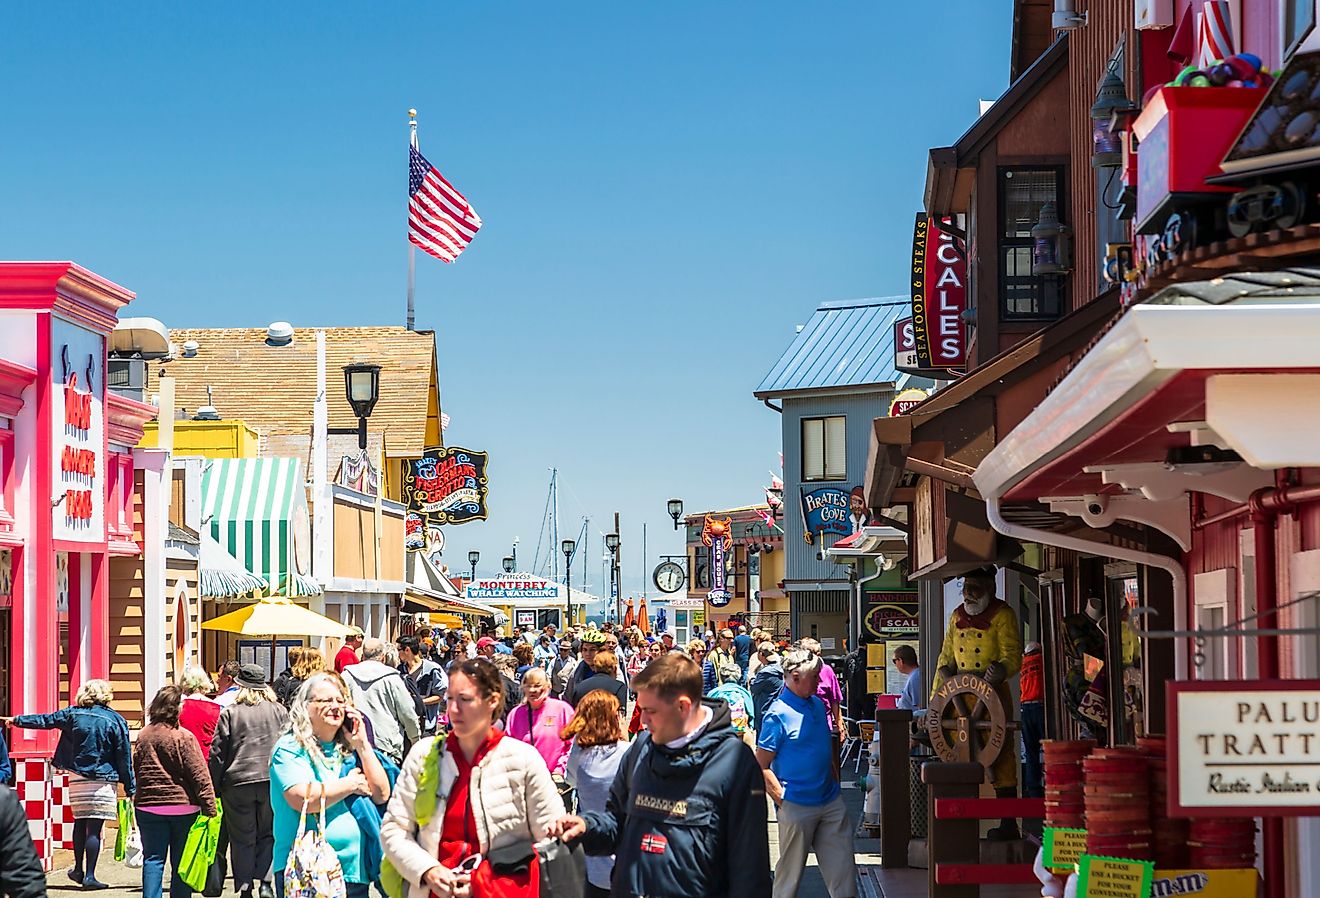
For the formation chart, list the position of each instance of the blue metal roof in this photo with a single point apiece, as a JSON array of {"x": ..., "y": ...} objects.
[{"x": 847, "y": 343}]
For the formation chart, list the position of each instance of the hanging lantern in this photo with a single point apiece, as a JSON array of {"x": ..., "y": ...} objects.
[
  {"x": 1107, "y": 142},
  {"x": 1050, "y": 242}
]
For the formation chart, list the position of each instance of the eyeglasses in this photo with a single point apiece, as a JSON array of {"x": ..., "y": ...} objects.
[{"x": 328, "y": 701}]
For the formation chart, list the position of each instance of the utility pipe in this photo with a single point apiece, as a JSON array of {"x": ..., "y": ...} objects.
[
  {"x": 858, "y": 604},
  {"x": 1151, "y": 559}
]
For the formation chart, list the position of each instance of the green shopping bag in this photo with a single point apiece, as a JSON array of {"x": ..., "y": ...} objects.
[
  {"x": 125, "y": 827},
  {"x": 200, "y": 849}
]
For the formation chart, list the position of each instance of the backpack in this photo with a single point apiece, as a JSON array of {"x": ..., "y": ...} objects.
[{"x": 738, "y": 709}]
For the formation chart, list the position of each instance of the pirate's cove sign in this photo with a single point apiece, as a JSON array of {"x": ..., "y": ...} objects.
[{"x": 446, "y": 486}]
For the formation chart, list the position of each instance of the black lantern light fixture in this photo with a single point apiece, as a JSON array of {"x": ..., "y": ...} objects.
[
  {"x": 508, "y": 564},
  {"x": 1107, "y": 131},
  {"x": 612, "y": 545},
  {"x": 473, "y": 557},
  {"x": 362, "y": 388},
  {"x": 567, "y": 547},
  {"x": 676, "y": 511},
  {"x": 1049, "y": 254}
]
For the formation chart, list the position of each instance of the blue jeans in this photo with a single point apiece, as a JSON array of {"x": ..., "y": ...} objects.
[
  {"x": 1033, "y": 730},
  {"x": 163, "y": 833}
]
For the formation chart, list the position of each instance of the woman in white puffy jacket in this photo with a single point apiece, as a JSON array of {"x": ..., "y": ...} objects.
[{"x": 469, "y": 806}]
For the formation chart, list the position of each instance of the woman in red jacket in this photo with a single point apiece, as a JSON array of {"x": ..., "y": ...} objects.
[{"x": 199, "y": 713}]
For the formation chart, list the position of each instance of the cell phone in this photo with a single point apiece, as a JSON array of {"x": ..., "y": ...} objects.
[
  {"x": 469, "y": 864},
  {"x": 350, "y": 726}
]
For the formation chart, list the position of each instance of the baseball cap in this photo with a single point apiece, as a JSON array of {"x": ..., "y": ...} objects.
[
  {"x": 484, "y": 641},
  {"x": 355, "y": 631}
]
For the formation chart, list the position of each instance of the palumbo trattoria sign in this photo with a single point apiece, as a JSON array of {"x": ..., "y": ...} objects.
[{"x": 1244, "y": 748}]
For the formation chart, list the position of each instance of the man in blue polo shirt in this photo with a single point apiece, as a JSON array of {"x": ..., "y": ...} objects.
[{"x": 795, "y": 750}]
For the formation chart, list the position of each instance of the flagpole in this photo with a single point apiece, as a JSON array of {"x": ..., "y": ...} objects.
[{"x": 412, "y": 249}]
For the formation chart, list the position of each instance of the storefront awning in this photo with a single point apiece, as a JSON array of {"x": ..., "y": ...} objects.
[
  {"x": 256, "y": 509},
  {"x": 221, "y": 575},
  {"x": 1198, "y": 389},
  {"x": 870, "y": 542},
  {"x": 430, "y": 590}
]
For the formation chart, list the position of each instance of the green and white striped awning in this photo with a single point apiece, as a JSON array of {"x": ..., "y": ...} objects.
[{"x": 256, "y": 508}]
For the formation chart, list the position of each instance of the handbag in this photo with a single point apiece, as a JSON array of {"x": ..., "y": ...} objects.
[
  {"x": 563, "y": 868},
  {"x": 199, "y": 850},
  {"x": 314, "y": 870},
  {"x": 128, "y": 838}
]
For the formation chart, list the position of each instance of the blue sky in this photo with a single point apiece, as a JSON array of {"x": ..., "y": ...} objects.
[{"x": 667, "y": 190}]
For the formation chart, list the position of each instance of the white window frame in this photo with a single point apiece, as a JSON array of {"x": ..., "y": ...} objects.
[{"x": 828, "y": 452}]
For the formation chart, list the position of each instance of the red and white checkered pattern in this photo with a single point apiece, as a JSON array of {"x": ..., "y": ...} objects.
[
  {"x": 32, "y": 782},
  {"x": 61, "y": 826}
]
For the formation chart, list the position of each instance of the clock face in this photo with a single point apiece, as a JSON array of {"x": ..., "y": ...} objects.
[
  {"x": 669, "y": 576},
  {"x": 703, "y": 576}
]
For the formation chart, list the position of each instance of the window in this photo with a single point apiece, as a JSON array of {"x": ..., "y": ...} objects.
[
  {"x": 1298, "y": 20},
  {"x": 1022, "y": 192},
  {"x": 824, "y": 451}
]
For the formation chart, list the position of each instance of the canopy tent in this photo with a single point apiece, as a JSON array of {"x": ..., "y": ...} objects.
[
  {"x": 221, "y": 575},
  {"x": 256, "y": 509},
  {"x": 431, "y": 590}
]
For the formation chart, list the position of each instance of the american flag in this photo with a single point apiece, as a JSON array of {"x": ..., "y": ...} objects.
[{"x": 440, "y": 219}]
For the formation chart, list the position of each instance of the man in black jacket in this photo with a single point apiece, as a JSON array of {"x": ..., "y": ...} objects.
[
  {"x": 21, "y": 875},
  {"x": 686, "y": 815}
]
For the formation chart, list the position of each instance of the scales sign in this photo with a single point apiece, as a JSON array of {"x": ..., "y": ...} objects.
[
  {"x": 939, "y": 294},
  {"x": 446, "y": 486}
]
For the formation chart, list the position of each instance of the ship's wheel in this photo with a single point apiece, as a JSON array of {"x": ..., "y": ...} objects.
[{"x": 966, "y": 721}]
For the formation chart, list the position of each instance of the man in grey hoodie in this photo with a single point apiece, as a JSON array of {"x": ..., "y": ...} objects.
[{"x": 380, "y": 694}]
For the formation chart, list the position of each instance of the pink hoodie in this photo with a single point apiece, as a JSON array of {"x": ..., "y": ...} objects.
[{"x": 541, "y": 728}]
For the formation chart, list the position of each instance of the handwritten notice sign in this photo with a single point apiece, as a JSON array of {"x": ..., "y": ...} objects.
[
  {"x": 1111, "y": 877},
  {"x": 1245, "y": 749},
  {"x": 1063, "y": 847}
]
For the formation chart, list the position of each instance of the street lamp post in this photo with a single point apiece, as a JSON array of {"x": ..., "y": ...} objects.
[
  {"x": 567, "y": 546},
  {"x": 362, "y": 388},
  {"x": 473, "y": 557},
  {"x": 612, "y": 543},
  {"x": 676, "y": 511}
]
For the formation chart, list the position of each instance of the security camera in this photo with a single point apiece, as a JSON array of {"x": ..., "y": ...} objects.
[
  {"x": 1096, "y": 505},
  {"x": 820, "y": 554}
]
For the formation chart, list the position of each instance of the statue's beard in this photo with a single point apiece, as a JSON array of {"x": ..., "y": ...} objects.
[{"x": 975, "y": 606}]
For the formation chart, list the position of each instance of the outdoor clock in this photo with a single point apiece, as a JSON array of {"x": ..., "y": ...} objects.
[
  {"x": 669, "y": 576},
  {"x": 703, "y": 576}
]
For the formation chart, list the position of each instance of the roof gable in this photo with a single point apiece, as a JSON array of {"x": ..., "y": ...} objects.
[
  {"x": 273, "y": 388},
  {"x": 847, "y": 343}
]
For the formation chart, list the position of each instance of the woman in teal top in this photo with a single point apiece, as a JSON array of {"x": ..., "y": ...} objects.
[{"x": 323, "y": 731}]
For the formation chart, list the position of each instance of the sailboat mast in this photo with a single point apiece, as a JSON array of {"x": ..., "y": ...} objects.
[{"x": 554, "y": 524}]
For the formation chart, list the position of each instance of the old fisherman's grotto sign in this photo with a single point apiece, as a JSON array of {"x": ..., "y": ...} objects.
[
  {"x": 1246, "y": 748},
  {"x": 446, "y": 486}
]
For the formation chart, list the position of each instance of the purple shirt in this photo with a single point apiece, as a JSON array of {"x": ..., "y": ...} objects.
[{"x": 829, "y": 692}]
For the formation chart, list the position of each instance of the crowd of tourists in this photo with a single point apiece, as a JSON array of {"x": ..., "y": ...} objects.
[{"x": 447, "y": 766}]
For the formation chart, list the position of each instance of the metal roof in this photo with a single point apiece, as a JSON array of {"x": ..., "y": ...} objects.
[{"x": 847, "y": 343}]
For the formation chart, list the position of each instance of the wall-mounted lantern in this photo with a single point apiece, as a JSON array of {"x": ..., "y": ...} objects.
[{"x": 1049, "y": 254}]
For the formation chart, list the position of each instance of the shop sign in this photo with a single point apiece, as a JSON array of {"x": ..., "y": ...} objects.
[
  {"x": 939, "y": 295},
  {"x": 446, "y": 486},
  {"x": 907, "y": 400},
  {"x": 525, "y": 619},
  {"x": 717, "y": 534},
  {"x": 1111, "y": 877},
  {"x": 888, "y": 613},
  {"x": 512, "y": 589},
  {"x": 825, "y": 510},
  {"x": 905, "y": 345},
  {"x": 78, "y": 438},
  {"x": 1248, "y": 748},
  {"x": 1205, "y": 883}
]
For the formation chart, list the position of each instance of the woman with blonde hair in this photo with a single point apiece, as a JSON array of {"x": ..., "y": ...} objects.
[
  {"x": 240, "y": 769},
  {"x": 95, "y": 751},
  {"x": 476, "y": 795},
  {"x": 303, "y": 662},
  {"x": 199, "y": 713},
  {"x": 324, "y": 756},
  {"x": 598, "y": 747}
]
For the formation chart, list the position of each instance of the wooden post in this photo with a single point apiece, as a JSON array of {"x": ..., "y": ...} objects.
[
  {"x": 895, "y": 793},
  {"x": 951, "y": 841}
]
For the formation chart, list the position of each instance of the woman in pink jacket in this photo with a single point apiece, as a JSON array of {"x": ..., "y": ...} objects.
[{"x": 539, "y": 719}]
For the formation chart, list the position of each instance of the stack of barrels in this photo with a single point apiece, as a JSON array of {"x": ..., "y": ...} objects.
[
  {"x": 1169, "y": 833},
  {"x": 1065, "y": 802},
  {"x": 1117, "y": 789},
  {"x": 1223, "y": 843}
]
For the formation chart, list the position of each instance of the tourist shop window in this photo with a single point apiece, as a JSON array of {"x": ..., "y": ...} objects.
[
  {"x": 1022, "y": 193},
  {"x": 824, "y": 450},
  {"x": 1298, "y": 20}
]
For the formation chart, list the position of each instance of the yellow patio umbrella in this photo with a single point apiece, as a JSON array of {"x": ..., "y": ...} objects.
[{"x": 276, "y": 616}]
